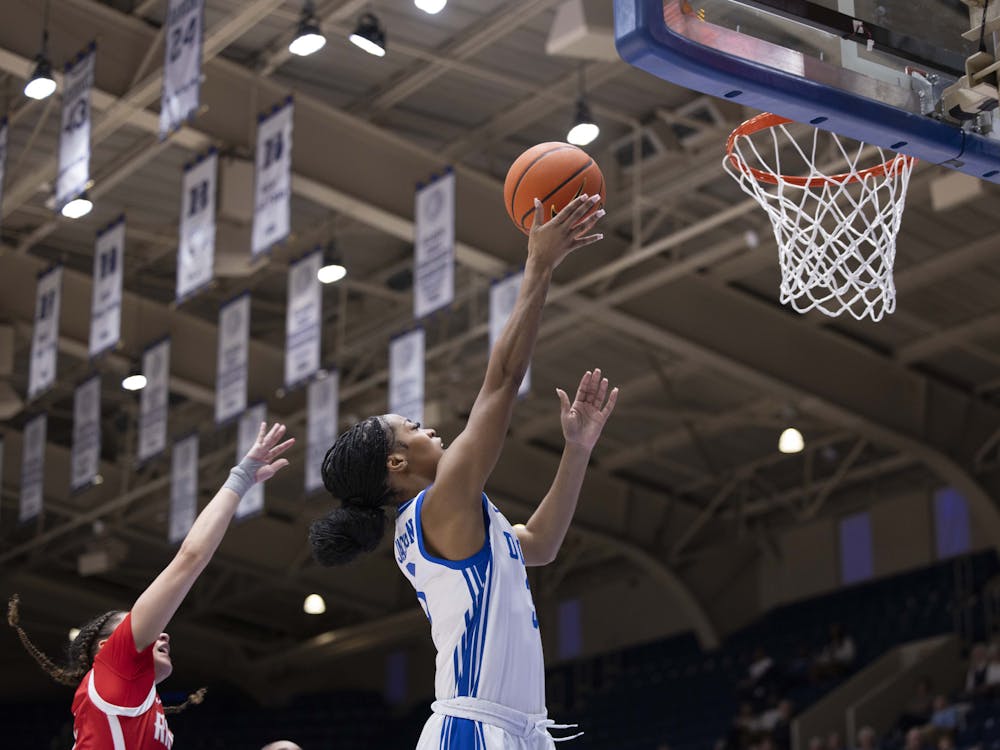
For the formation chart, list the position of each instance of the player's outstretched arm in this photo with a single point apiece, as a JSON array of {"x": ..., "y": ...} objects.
[
  {"x": 452, "y": 514},
  {"x": 582, "y": 423},
  {"x": 157, "y": 604}
]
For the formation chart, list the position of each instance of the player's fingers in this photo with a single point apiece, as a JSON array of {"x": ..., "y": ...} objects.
[
  {"x": 262, "y": 432},
  {"x": 581, "y": 210},
  {"x": 581, "y": 391},
  {"x": 566, "y": 216},
  {"x": 602, "y": 392},
  {"x": 588, "y": 222},
  {"x": 612, "y": 400},
  {"x": 590, "y": 239},
  {"x": 564, "y": 404},
  {"x": 539, "y": 214},
  {"x": 279, "y": 449}
]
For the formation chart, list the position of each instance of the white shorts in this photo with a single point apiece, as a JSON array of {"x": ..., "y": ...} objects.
[{"x": 473, "y": 724}]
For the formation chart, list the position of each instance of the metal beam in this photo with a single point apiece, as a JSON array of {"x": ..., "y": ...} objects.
[{"x": 122, "y": 111}]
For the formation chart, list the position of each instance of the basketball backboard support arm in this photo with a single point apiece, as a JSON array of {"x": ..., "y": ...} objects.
[{"x": 671, "y": 40}]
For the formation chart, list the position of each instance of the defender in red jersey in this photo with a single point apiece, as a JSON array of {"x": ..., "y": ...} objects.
[{"x": 117, "y": 659}]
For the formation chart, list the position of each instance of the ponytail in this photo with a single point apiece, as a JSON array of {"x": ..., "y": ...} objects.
[
  {"x": 81, "y": 650},
  {"x": 346, "y": 532},
  {"x": 354, "y": 469}
]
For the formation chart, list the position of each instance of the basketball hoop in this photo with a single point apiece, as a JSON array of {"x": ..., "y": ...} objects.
[{"x": 836, "y": 233}]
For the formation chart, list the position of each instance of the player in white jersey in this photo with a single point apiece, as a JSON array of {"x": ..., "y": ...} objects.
[{"x": 463, "y": 558}]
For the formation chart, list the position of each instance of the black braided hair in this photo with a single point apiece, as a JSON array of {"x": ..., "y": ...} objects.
[
  {"x": 355, "y": 471},
  {"x": 82, "y": 649}
]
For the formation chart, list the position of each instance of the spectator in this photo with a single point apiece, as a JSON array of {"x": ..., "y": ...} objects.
[
  {"x": 918, "y": 708},
  {"x": 915, "y": 740},
  {"x": 834, "y": 741},
  {"x": 993, "y": 669},
  {"x": 979, "y": 663},
  {"x": 837, "y": 656},
  {"x": 782, "y": 730},
  {"x": 281, "y": 745},
  {"x": 946, "y": 742},
  {"x": 867, "y": 740},
  {"x": 761, "y": 675},
  {"x": 945, "y": 718}
]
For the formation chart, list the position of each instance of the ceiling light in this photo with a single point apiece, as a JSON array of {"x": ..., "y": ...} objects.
[
  {"x": 314, "y": 605},
  {"x": 369, "y": 35},
  {"x": 308, "y": 37},
  {"x": 78, "y": 207},
  {"x": 42, "y": 84},
  {"x": 791, "y": 441},
  {"x": 134, "y": 381},
  {"x": 333, "y": 269},
  {"x": 73, "y": 633},
  {"x": 584, "y": 129},
  {"x": 430, "y": 7}
]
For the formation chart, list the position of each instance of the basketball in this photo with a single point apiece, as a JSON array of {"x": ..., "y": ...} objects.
[{"x": 553, "y": 172}]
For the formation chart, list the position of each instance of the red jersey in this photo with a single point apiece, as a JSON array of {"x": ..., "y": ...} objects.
[{"x": 116, "y": 706}]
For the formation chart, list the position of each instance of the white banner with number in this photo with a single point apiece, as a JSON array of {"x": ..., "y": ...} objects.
[
  {"x": 322, "y": 429},
  {"x": 74, "y": 137},
  {"x": 246, "y": 434},
  {"x": 106, "y": 301},
  {"x": 183, "y": 487},
  {"x": 32, "y": 468},
  {"x": 406, "y": 375},
  {"x": 85, "y": 455},
  {"x": 232, "y": 359},
  {"x": 181, "y": 64},
  {"x": 45, "y": 336},
  {"x": 503, "y": 295},
  {"x": 3, "y": 155},
  {"x": 434, "y": 246},
  {"x": 272, "y": 179},
  {"x": 196, "y": 249},
  {"x": 303, "y": 321},
  {"x": 154, "y": 400}
]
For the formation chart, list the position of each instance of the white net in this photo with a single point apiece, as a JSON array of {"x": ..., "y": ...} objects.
[{"x": 836, "y": 234}]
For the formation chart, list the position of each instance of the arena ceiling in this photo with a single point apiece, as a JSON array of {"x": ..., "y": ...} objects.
[{"x": 678, "y": 305}]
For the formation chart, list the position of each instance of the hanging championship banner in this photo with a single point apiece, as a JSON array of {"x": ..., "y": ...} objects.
[
  {"x": 246, "y": 434},
  {"x": 45, "y": 337},
  {"x": 106, "y": 302},
  {"x": 406, "y": 375},
  {"x": 85, "y": 455},
  {"x": 3, "y": 155},
  {"x": 303, "y": 321},
  {"x": 153, "y": 402},
  {"x": 32, "y": 468},
  {"x": 503, "y": 295},
  {"x": 183, "y": 487},
  {"x": 322, "y": 429},
  {"x": 196, "y": 249},
  {"x": 434, "y": 246},
  {"x": 74, "y": 137},
  {"x": 232, "y": 358},
  {"x": 272, "y": 179},
  {"x": 181, "y": 64}
]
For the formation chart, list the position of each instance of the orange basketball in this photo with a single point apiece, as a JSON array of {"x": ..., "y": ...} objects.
[{"x": 555, "y": 173}]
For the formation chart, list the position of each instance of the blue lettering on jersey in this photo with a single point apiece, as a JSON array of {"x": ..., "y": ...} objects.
[
  {"x": 404, "y": 540},
  {"x": 514, "y": 547},
  {"x": 422, "y": 598}
]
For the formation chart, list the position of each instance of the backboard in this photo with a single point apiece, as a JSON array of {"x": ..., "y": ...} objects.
[{"x": 892, "y": 73}]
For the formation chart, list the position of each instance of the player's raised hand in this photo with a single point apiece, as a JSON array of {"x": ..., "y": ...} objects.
[
  {"x": 584, "y": 419},
  {"x": 551, "y": 241},
  {"x": 267, "y": 448}
]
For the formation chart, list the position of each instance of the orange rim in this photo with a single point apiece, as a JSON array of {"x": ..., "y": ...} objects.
[{"x": 768, "y": 120}]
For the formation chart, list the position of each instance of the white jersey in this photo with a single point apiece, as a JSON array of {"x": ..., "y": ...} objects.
[{"x": 482, "y": 617}]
